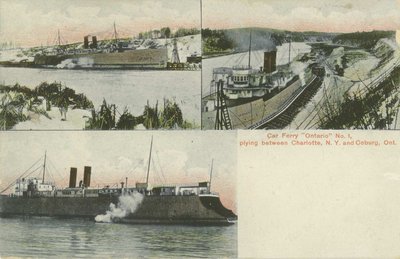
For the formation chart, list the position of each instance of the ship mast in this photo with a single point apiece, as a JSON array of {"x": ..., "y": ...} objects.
[
  {"x": 44, "y": 166},
  {"x": 250, "y": 49},
  {"x": 115, "y": 33},
  {"x": 290, "y": 46},
  {"x": 148, "y": 166},
  {"x": 211, "y": 169},
  {"x": 59, "y": 38}
]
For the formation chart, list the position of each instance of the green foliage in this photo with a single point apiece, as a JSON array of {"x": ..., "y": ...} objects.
[
  {"x": 82, "y": 102},
  {"x": 171, "y": 116},
  {"x": 127, "y": 121},
  {"x": 17, "y": 100},
  {"x": 165, "y": 32},
  {"x": 104, "y": 119},
  {"x": 186, "y": 32},
  {"x": 11, "y": 110},
  {"x": 216, "y": 41},
  {"x": 151, "y": 117},
  {"x": 187, "y": 125}
]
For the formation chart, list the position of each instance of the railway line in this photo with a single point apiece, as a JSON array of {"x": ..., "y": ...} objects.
[{"x": 288, "y": 110}]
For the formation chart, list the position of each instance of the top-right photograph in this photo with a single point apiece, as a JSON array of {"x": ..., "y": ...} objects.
[{"x": 282, "y": 64}]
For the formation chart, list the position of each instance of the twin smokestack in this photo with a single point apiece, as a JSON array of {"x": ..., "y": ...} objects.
[
  {"x": 86, "y": 42},
  {"x": 87, "y": 171}
]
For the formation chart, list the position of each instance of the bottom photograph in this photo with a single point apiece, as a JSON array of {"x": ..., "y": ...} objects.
[{"x": 127, "y": 194}]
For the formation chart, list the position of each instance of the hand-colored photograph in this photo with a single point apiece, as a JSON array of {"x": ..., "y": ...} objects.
[
  {"x": 100, "y": 65},
  {"x": 282, "y": 64},
  {"x": 141, "y": 195}
]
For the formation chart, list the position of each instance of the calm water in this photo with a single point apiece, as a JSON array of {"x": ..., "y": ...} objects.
[
  {"x": 48, "y": 237},
  {"x": 128, "y": 88}
]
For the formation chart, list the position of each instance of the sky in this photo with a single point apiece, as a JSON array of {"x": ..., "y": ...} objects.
[
  {"x": 304, "y": 15},
  {"x": 178, "y": 157},
  {"x": 32, "y": 23}
]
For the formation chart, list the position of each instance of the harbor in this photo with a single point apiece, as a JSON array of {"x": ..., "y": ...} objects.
[
  {"x": 157, "y": 50},
  {"x": 326, "y": 77},
  {"x": 289, "y": 78}
]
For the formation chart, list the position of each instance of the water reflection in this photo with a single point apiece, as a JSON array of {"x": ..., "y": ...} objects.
[{"x": 47, "y": 237}]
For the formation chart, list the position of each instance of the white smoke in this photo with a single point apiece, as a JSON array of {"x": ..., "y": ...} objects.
[
  {"x": 70, "y": 63},
  {"x": 127, "y": 204},
  {"x": 85, "y": 62}
]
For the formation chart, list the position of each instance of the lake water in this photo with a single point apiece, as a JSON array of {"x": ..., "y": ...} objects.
[
  {"x": 44, "y": 237},
  {"x": 125, "y": 88}
]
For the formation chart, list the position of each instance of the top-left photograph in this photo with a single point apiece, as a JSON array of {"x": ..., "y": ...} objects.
[{"x": 100, "y": 65}]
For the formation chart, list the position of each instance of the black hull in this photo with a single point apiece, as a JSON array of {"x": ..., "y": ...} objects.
[
  {"x": 161, "y": 210},
  {"x": 122, "y": 67}
]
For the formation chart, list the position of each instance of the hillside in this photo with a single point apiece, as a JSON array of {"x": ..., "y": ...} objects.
[
  {"x": 365, "y": 40},
  {"x": 237, "y": 40}
]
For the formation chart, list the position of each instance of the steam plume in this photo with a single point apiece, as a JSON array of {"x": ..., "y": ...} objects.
[
  {"x": 127, "y": 204},
  {"x": 83, "y": 62}
]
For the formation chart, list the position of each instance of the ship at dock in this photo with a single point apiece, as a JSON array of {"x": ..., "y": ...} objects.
[
  {"x": 190, "y": 204},
  {"x": 92, "y": 53},
  {"x": 113, "y": 58},
  {"x": 242, "y": 97}
]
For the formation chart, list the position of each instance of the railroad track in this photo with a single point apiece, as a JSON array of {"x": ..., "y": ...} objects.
[{"x": 287, "y": 112}]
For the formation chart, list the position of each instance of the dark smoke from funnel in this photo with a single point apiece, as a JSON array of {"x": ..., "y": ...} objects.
[{"x": 260, "y": 39}]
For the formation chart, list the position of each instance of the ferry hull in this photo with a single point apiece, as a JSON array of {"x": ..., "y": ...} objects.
[
  {"x": 182, "y": 210},
  {"x": 244, "y": 113},
  {"x": 146, "y": 58}
]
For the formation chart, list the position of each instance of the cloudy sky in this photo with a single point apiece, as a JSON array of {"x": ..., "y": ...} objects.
[
  {"x": 304, "y": 15},
  {"x": 30, "y": 23},
  {"x": 178, "y": 157}
]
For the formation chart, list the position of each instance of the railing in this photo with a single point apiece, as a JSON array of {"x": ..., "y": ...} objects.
[
  {"x": 244, "y": 67},
  {"x": 382, "y": 77},
  {"x": 283, "y": 107}
]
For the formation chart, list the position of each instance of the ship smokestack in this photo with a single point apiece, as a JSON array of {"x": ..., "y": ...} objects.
[
  {"x": 72, "y": 177},
  {"x": 86, "y": 175},
  {"x": 86, "y": 42},
  {"x": 270, "y": 61},
  {"x": 94, "y": 42}
]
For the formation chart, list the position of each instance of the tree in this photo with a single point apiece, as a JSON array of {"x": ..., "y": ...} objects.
[
  {"x": 126, "y": 121},
  {"x": 11, "y": 110},
  {"x": 104, "y": 119},
  {"x": 150, "y": 117},
  {"x": 171, "y": 116},
  {"x": 165, "y": 32}
]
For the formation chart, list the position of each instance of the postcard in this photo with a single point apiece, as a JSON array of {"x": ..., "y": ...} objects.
[{"x": 199, "y": 128}]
